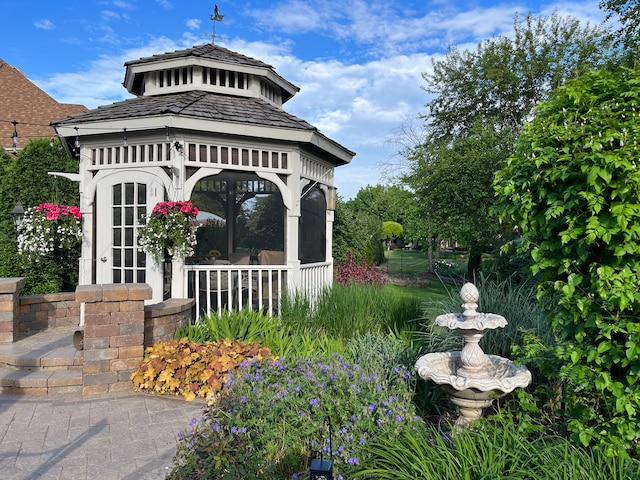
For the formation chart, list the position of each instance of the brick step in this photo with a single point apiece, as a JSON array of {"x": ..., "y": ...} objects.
[
  {"x": 46, "y": 363},
  {"x": 40, "y": 382}
]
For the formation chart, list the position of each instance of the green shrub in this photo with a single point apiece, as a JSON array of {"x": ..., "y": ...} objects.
[
  {"x": 573, "y": 187},
  {"x": 269, "y": 423},
  {"x": 257, "y": 326}
]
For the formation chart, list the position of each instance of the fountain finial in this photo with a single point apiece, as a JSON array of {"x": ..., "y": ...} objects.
[{"x": 470, "y": 296}]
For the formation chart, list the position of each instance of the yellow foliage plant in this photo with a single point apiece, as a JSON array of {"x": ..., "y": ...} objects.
[{"x": 190, "y": 369}]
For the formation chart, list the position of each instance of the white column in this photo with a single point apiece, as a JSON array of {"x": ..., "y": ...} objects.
[
  {"x": 86, "y": 208},
  {"x": 293, "y": 222}
]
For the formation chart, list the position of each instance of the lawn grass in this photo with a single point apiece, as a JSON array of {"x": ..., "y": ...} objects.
[{"x": 407, "y": 262}]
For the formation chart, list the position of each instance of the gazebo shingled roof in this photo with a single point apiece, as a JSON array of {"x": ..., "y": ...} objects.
[
  {"x": 209, "y": 51},
  {"x": 197, "y": 104}
]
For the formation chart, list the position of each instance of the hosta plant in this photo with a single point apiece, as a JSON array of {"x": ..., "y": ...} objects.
[{"x": 171, "y": 227}]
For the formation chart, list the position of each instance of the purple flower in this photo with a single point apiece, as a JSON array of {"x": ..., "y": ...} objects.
[
  {"x": 353, "y": 461},
  {"x": 314, "y": 402}
]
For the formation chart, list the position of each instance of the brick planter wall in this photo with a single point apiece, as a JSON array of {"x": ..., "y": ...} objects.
[
  {"x": 113, "y": 335},
  {"x": 163, "y": 319},
  {"x": 9, "y": 290}
]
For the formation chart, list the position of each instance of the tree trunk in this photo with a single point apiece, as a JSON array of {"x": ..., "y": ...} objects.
[{"x": 475, "y": 259}]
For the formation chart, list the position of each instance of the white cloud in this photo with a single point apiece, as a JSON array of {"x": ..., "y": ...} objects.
[
  {"x": 166, "y": 4},
  {"x": 108, "y": 15},
  {"x": 358, "y": 98},
  {"x": 44, "y": 24},
  {"x": 193, "y": 24},
  {"x": 122, "y": 4},
  {"x": 100, "y": 83}
]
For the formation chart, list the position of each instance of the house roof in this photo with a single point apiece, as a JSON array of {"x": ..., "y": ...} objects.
[
  {"x": 28, "y": 105},
  {"x": 197, "y": 104}
]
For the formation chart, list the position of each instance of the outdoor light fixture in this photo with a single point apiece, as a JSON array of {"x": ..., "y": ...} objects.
[
  {"x": 178, "y": 146},
  {"x": 332, "y": 194},
  {"x": 124, "y": 137},
  {"x": 17, "y": 214},
  {"x": 76, "y": 145},
  {"x": 14, "y": 136},
  {"x": 323, "y": 469}
]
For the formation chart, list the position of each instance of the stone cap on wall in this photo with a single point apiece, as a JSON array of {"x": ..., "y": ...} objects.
[
  {"x": 170, "y": 306},
  {"x": 11, "y": 285},
  {"x": 113, "y": 292}
]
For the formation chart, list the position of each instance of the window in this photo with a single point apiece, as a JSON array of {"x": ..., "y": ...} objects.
[
  {"x": 129, "y": 204},
  {"x": 239, "y": 212},
  {"x": 312, "y": 233}
]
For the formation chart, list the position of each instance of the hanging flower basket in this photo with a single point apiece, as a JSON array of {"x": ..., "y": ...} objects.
[
  {"x": 47, "y": 228},
  {"x": 171, "y": 227}
]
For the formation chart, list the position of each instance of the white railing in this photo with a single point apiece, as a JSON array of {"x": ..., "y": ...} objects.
[
  {"x": 314, "y": 278},
  {"x": 233, "y": 287}
]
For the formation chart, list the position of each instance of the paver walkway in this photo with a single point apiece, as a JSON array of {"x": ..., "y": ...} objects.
[{"x": 120, "y": 436}]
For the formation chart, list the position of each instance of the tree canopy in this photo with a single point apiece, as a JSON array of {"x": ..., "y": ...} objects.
[{"x": 482, "y": 99}]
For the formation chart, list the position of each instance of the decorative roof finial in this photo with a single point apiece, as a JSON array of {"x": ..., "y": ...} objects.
[{"x": 215, "y": 17}]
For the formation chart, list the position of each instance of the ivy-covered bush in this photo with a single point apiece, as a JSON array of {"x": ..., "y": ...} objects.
[
  {"x": 270, "y": 421},
  {"x": 573, "y": 189}
]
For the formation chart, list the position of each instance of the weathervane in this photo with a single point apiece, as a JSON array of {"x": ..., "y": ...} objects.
[{"x": 215, "y": 17}]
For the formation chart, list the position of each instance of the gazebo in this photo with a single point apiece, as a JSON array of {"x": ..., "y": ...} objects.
[{"x": 207, "y": 125}]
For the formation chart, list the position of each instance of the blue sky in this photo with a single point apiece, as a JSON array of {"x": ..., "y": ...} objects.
[{"x": 358, "y": 64}]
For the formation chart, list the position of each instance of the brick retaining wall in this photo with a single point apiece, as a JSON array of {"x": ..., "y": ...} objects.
[
  {"x": 40, "y": 312},
  {"x": 163, "y": 319},
  {"x": 113, "y": 335},
  {"x": 117, "y": 325}
]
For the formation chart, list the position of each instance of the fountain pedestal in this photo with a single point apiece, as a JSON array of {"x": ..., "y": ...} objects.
[{"x": 470, "y": 378}]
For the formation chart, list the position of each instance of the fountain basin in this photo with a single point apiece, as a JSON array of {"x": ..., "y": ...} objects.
[
  {"x": 500, "y": 374},
  {"x": 497, "y": 377}
]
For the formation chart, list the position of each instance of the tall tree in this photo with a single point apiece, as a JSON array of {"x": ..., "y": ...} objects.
[
  {"x": 482, "y": 99},
  {"x": 627, "y": 14},
  {"x": 454, "y": 182},
  {"x": 499, "y": 83}
]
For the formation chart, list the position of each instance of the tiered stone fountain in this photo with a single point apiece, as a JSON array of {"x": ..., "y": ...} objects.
[{"x": 471, "y": 379}]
